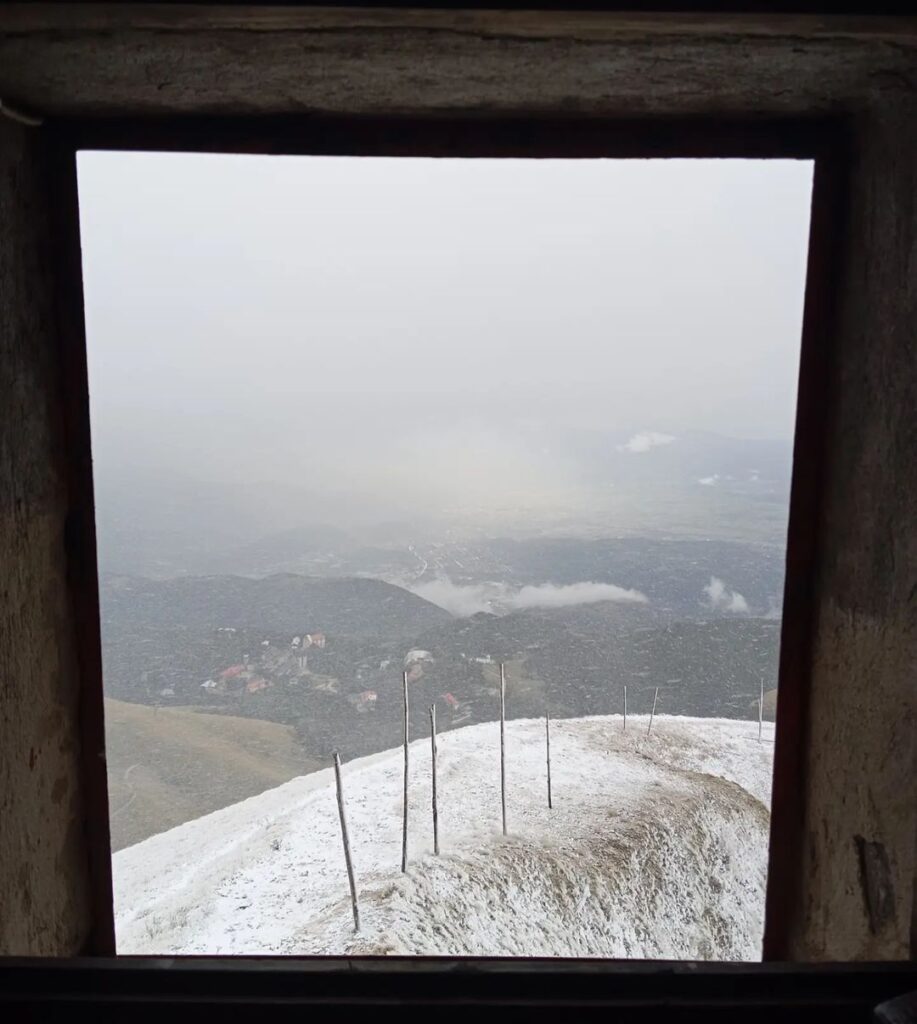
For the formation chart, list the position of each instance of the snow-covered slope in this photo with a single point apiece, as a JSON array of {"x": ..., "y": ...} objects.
[{"x": 655, "y": 847}]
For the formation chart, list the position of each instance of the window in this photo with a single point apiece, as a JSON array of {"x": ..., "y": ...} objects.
[{"x": 460, "y": 427}]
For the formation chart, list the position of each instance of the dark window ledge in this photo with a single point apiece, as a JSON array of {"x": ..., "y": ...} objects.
[{"x": 133, "y": 989}]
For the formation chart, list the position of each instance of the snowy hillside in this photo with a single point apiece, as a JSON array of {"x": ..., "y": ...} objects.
[{"x": 656, "y": 847}]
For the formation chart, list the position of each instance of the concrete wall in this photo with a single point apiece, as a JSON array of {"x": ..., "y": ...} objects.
[
  {"x": 859, "y": 846},
  {"x": 44, "y": 903}
]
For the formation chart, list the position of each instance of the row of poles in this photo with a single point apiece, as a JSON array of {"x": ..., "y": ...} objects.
[
  {"x": 407, "y": 756},
  {"x": 404, "y": 819},
  {"x": 653, "y": 715}
]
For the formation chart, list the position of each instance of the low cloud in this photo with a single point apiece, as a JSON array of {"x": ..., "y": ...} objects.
[
  {"x": 549, "y": 596},
  {"x": 709, "y": 481},
  {"x": 496, "y": 597},
  {"x": 642, "y": 442},
  {"x": 724, "y": 599}
]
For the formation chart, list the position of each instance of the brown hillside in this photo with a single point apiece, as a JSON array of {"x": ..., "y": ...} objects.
[{"x": 169, "y": 765}]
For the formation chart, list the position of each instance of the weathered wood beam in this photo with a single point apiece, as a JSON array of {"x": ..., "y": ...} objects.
[{"x": 101, "y": 60}]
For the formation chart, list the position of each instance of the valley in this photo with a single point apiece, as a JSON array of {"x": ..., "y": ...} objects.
[{"x": 321, "y": 658}]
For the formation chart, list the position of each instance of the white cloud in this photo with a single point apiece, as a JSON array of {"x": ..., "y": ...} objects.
[
  {"x": 642, "y": 442},
  {"x": 549, "y": 596},
  {"x": 465, "y": 600},
  {"x": 724, "y": 599},
  {"x": 709, "y": 481}
]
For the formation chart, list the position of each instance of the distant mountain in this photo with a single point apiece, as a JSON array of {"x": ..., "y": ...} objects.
[
  {"x": 279, "y": 604},
  {"x": 576, "y": 661},
  {"x": 756, "y": 468},
  {"x": 613, "y": 457}
]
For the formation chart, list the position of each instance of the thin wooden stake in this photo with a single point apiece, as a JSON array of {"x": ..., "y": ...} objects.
[
  {"x": 404, "y": 830},
  {"x": 653, "y": 712},
  {"x": 503, "y": 743},
  {"x": 761, "y": 711},
  {"x": 345, "y": 837},
  {"x": 625, "y": 709},
  {"x": 433, "y": 751},
  {"x": 547, "y": 736}
]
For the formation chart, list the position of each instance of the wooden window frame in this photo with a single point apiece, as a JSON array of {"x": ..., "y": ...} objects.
[{"x": 756, "y": 79}]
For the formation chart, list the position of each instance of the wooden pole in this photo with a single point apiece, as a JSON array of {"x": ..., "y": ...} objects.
[
  {"x": 625, "y": 709},
  {"x": 547, "y": 736},
  {"x": 653, "y": 712},
  {"x": 404, "y": 829},
  {"x": 761, "y": 711},
  {"x": 433, "y": 752},
  {"x": 345, "y": 837},
  {"x": 503, "y": 743}
]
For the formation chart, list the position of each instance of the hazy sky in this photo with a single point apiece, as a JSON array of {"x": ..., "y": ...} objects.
[{"x": 389, "y": 315}]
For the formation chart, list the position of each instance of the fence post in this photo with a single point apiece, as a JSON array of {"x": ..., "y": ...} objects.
[
  {"x": 433, "y": 753},
  {"x": 761, "y": 711},
  {"x": 404, "y": 829},
  {"x": 346, "y": 838},
  {"x": 547, "y": 736},
  {"x": 503, "y": 743},
  {"x": 653, "y": 712},
  {"x": 625, "y": 709}
]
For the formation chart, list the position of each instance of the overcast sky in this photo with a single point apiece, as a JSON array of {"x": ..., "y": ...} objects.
[{"x": 255, "y": 311}]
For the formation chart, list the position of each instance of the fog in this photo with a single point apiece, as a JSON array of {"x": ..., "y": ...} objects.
[{"x": 382, "y": 334}]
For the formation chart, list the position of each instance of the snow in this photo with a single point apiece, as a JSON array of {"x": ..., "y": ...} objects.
[{"x": 656, "y": 847}]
